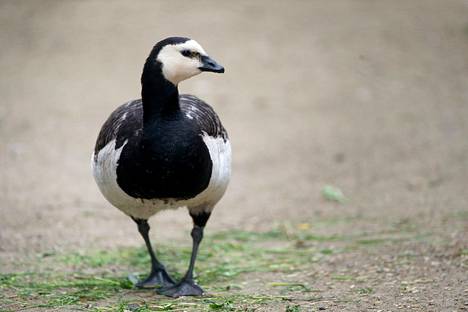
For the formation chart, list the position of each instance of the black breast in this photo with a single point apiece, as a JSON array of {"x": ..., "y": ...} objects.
[{"x": 168, "y": 159}]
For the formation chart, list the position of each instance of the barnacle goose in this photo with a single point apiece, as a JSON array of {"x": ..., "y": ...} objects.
[{"x": 165, "y": 151}]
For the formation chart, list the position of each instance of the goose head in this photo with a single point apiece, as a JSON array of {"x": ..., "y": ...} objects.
[{"x": 181, "y": 58}]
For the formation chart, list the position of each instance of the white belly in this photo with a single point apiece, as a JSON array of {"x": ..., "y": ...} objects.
[{"x": 105, "y": 174}]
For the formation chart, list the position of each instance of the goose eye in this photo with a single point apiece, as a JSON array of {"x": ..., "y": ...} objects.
[
  {"x": 191, "y": 54},
  {"x": 186, "y": 53}
]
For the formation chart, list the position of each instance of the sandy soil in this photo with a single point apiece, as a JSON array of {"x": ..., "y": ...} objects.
[{"x": 371, "y": 97}]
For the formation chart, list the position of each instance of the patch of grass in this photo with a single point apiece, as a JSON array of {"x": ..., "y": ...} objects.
[
  {"x": 293, "y": 308},
  {"x": 224, "y": 257},
  {"x": 135, "y": 257},
  {"x": 224, "y": 304},
  {"x": 365, "y": 290},
  {"x": 61, "y": 290},
  {"x": 342, "y": 277},
  {"x": 327, "y": 251},
  {"x": 94, "y": 260},
  {"x": 332, "y": 193},
  {"x": 292, "y": 286},
  {"x": 372, "y": 241},
  {"x": 247, "y": 236}
]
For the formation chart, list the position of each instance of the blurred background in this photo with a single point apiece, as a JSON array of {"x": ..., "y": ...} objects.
[{"x": 368, "y": 96}]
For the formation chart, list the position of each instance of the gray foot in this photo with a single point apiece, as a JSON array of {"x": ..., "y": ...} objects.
[
  {"x": 183, "y": 288},
  {"x": 159, "y": 278}
]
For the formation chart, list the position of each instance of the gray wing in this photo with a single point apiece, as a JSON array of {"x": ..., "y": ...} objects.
[
  {"x": 124, "y": 123},
  {"x": 203, "y": 114}
]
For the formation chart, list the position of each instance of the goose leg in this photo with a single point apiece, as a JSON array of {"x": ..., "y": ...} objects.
[
  {"x": 187, "y": 286},
  {"x": 158, "y": 276}
]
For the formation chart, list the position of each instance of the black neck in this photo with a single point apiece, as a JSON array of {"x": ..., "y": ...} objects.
[{"x": 160, "y": 97}]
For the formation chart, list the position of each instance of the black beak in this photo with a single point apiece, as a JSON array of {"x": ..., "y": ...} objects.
[{"x": 210, "y": 65}]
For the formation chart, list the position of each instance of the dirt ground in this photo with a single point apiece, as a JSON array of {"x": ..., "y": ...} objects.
[{"x": 368, "y": 96}]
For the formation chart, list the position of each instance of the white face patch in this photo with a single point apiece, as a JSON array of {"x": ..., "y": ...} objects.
[{"x": 175, "y": 66}]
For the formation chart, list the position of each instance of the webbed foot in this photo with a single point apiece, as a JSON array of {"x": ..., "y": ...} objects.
[
  {"x": 158, "y": 278},
  {"x": 185, "y": 287}
]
